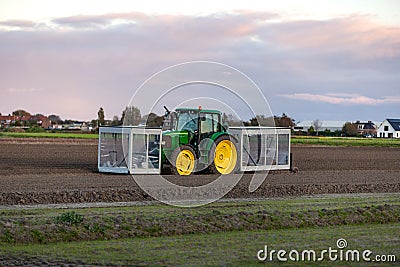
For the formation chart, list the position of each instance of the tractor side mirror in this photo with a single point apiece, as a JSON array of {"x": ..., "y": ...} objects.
[{"x": 203, "y": 118}]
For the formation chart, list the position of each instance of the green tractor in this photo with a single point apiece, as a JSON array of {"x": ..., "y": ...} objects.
[{"x": 195, "y": 140}]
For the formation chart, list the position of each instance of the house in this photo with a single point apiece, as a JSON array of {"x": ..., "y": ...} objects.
[
  {"x": 6, "y": 121},
  {"x": 324, "y": 125},
  {"x": 77, "y": 125},
  {"x": 25, "y": 120},
  {"x": 72, "y": 125},
  {"x": 366, "y": 128},
  {"x": 56, "y": 126},
  {"x": 389, "y": 128}
]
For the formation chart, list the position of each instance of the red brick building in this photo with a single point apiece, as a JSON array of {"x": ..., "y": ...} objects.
[
  {"x": 10, "y": 120},
  {"x": 6, "y": 121}
]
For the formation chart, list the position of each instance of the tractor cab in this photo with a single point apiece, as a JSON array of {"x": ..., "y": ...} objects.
[
  {"x": 189, "y": 135},
  {"x": 196, "y": 123}
]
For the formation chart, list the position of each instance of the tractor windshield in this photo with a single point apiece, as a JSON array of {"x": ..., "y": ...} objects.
[
  {"x": 181, "y": 120},
  {"x": 187, "y": 121}
]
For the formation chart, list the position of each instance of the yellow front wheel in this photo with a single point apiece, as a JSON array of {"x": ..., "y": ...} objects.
[
  {"x": 225, "y": 156},
  {"x": 184, "y": 159}
]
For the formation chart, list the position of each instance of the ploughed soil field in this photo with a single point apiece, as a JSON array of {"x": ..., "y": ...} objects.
[{"x": 43, "y": 171}]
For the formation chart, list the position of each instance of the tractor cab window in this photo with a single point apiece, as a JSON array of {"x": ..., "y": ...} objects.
[
  {"x": 209, "y": 123},
  {"x": 187, "y": 121}
]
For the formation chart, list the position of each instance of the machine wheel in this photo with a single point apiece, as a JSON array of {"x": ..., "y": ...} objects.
[
  {"x": 184, "y": 160},
  {"x": 224, "y": 156}
]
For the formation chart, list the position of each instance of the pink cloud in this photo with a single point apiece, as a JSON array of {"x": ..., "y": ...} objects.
[
  {"x": 346, "y": 34},
  {"x": 349, "y": 99},
  {"x": 84, "y": 61},
  {"x": 19, "y": 24}
]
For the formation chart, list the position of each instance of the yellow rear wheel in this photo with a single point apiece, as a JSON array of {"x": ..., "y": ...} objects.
[
  {"x": 225, "y": 156},
  {"x": 185, "y": 160}
]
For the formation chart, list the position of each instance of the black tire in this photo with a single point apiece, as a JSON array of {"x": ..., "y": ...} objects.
[
  {"x": 223, "y": 141},
  {"x": 182, "y": 153}
]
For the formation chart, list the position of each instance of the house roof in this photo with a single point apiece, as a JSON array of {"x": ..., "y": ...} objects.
[
  {"x": 367, "y": 125},
  {"x": 395, "y": 123},
  {"x": 4, "y": 118}
]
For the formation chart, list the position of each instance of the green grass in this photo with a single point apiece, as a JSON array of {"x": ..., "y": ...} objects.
[
  {"x": 49, "y": 135},
  {"x": 345, "y": 141},
  {"x": 223, "y": 233},
  {"x": 237, "y": 248}
]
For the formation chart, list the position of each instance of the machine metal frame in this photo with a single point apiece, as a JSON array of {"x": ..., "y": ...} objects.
[
  {"x": 124, "y": 150},
  {"x": 138, "y": 150},
  {"x": 273, "y": 149}
]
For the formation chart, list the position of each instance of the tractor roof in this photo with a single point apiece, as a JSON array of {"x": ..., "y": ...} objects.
[{"x": 213, "y": 111}]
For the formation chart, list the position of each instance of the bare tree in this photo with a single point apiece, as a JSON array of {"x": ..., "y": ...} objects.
[
  {"x": 115, "y": 121},
  {"x": 317, "y": 124},
  {"x": 131, "y": 116},
  {"x": 231, "y": 120}
]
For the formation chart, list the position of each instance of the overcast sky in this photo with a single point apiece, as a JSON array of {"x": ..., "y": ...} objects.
[{"x": 331, "y": 60}]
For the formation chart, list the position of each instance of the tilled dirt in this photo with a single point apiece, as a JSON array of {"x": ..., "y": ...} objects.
[{"x": 35, "y": 171}]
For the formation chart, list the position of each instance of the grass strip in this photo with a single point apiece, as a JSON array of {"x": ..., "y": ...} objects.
[
  {"x": 297, "y": 140},
  {"x": 345, "y": 141},
  {"x": 223, "y": 233},
  {"x": 236, "y": 248},
  {"x": 46, "y": 226},
  {"x": 50, "y": 135}
]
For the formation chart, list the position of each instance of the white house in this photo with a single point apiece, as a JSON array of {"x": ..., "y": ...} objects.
[{"x": 389, "y": 128}]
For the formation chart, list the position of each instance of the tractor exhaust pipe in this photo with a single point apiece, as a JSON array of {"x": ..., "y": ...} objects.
[{"x": 167, "y": 112}]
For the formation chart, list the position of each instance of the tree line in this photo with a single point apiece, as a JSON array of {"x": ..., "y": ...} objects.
[
  {"x": 316, "y": 129},
  {"x": 131, "y": 115}
]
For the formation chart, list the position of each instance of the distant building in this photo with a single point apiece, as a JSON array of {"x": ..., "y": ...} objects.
[
  {"x": 10, "y": 120},
  {"x": 366, "y": 128},
  {"x": 77, "y": 125},
  {"x": 56, "y": 126},
  {"x": 325, "y": 125},
  {"x": 6, "y": 121},
  {"x": 389, "y": 128}
]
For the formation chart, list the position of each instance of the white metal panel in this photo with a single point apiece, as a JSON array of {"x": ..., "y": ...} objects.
[
  {"x": 117, "y": 151},
  {"x": 268, "y": 156},
  {"x": 141, "y": 160},
  {"x": 111, "y": 156}
]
